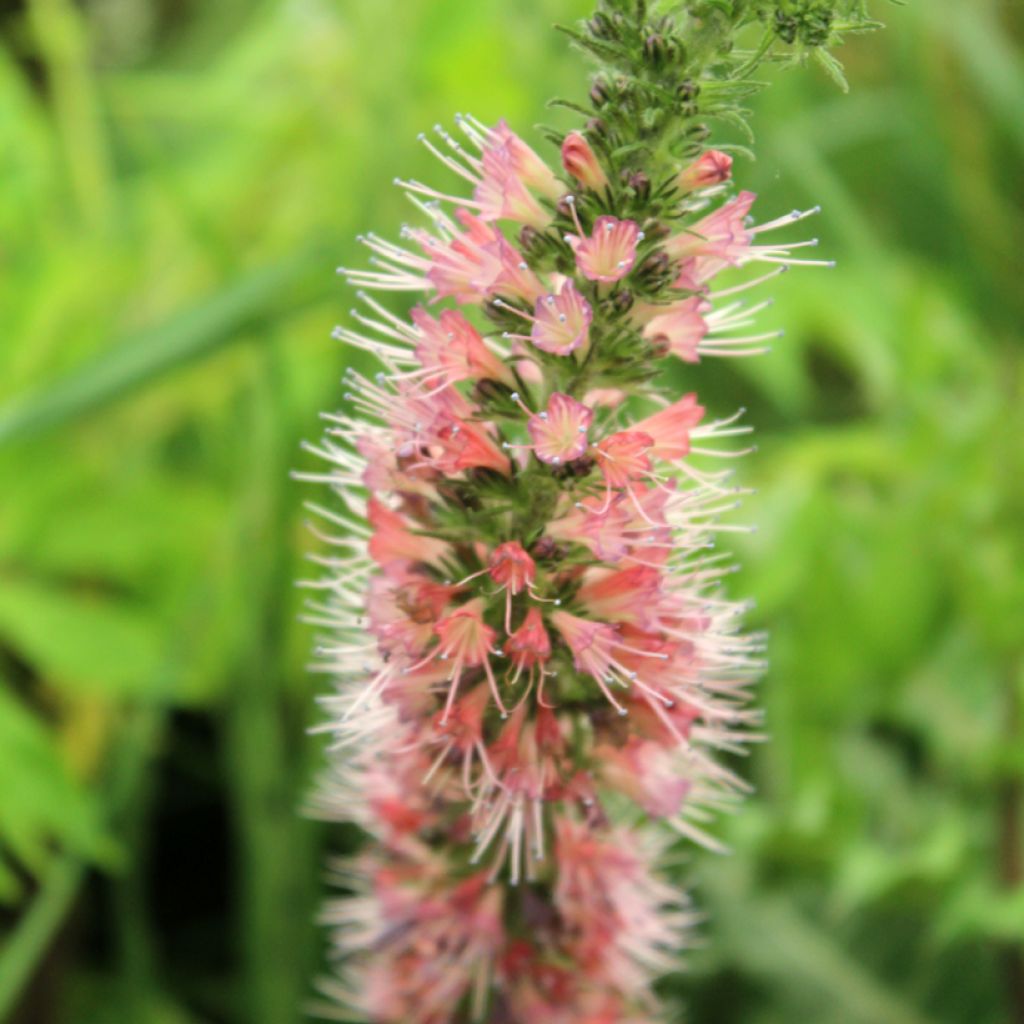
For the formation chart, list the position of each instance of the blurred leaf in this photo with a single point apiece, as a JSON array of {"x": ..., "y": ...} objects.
[
  {"x": 260, "y": 299},
  {"x": 83, "y": 641},
  {"x": 42, "y": 804}
]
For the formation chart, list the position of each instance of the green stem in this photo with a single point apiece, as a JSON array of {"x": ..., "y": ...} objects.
[
  {"x": 35, "y": 932},
  {"x": 61, "y": 35},
  {"x": 1011, "y": 853}
]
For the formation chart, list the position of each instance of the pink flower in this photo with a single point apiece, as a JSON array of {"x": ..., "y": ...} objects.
[
  {"x": 466, "y": 642},
  {"x": 433, "y": 941},
  {"x": 710, "y": 168},
  {"x": 647, "y": 773},
  {"x": 393, "y": 541},
  {"x": 466, "y": 445},
  {"x": 502, "y": 194},
  {"x": 455, "y": 346},
  {"x": 529, "y": 644},
  {"x": 581, "y": 162},
  {"x": 600, "y": 525},
  {"x": 510, "y": 566},
  {"x": 465, "y": 639},
  {"x": 609, "y": 252},
  {"x": 561, "y": 322},
  {"x": 525, "y": 162},
  {"x": 560, "y": 432},
  {"x": 403, "y": 608},
  {"x": 680, "y": 328},
  {"x": 670, "y": 428},
  {"x": 472, "y": 266},
  {"x": 720, "y": 240},
  {"x": 622, "y": 457},
  {"x": 622, "y": 595}
]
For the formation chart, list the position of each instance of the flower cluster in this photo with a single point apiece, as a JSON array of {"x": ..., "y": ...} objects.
[{"x": 524, "y": 609}]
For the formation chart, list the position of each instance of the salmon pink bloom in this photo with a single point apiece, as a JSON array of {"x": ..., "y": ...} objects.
[
  {"x": 622, "y": 457},
  {"x": 711, "y": 168},
  {"x": 530, "y": 644},
  {"x": 502, "y": 175},
  {"x": 524, "y": 161},
  {"x": 502, "y": 194},
  {"x": 647, "y": 773},
  {"x": 596, "y": 647},
  {"x": 720, "y": 239},
  {"x": 559, "y": 433},
  {"x": 608, "y": 253},
  {"x": 468, "y": 446},
  {"x": 512, "y": 567},
  {"x": 724, "y": 239},
  {"x": 434, "y": 941},
  {"x": 670, "y": 428},
  {"x": 452, "y": 344},
  {"x": 680, "y": 328},
  {"x": 579, "y": 160},
  {"x": 622, "y": 595},
  {"x": 466, "y": 642},
  {"x": 562, "y": 321},
  {"x": 393, "y": 542}
]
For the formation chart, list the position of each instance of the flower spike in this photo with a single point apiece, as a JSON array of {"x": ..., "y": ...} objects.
[{"x": 521, "y": 602}]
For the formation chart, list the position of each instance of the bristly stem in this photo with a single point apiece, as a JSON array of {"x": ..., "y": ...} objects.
[{"x": 1010, "y": 803}]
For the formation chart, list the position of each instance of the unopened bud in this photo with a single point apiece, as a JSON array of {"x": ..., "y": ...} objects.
[
  {"x": 711, "y": 168},
  {"x": 688, "y": 91},
  {"x": 599, "y": 94},
  {"x": 656, "y": 271},
  {"x": 622, "y": 300},
  {"x": 579, "y": 160},
  {"x": 640, "y": 184},
  {"x": 600, "y": 26}
]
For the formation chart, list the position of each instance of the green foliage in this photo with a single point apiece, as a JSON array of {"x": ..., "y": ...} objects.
[{"x": 180, "y": 181}]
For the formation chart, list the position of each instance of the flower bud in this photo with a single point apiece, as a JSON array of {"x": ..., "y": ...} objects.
[
  {"x": 579, "y": 159},
  {"x": 640, "y": 184},
  {"x": 712, "y": 168},
  {"x": 599, "y": 94}
]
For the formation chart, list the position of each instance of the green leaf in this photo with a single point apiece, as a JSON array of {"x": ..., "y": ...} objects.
[
  {"x": 79, "y": 640},
  {"x": 42, "y": 803},
  {"x": 262, "y": 298},
  {"x": 832, "y": 67}
]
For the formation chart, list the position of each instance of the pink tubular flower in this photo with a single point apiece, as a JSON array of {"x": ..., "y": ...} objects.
[
  {"x": 434, "y": 941},
  {"x": 579, "y": 160},
  {"x": 711, "y": 168},
  {"x": 680, "y": 328},
  {"x": 562, "y": 321},
  {"x": 647, "y": 773},
  {"x": 608, "y": 253},
  {"x": 466, "y": 642},
  {"x": 467, "y": 446},
  {"x": 623, "y": 457},
  {"x": 524, "y": 161},
  {"x": 393, "y": 542},
  {"x": 624, "y": 921},
  {"x": 529, "y": 644},
  {"x": 559, "y": 433},
  {"x": 670, "y": 428},
  {"x": 511, "y": 567},
  {"x": 621, "y": 595},
  {"x": 474, "y": 265},
  {"x": 720, "y": 239},
  {"x": 502, "y": 193},
  {"x": 455, "y": 346}
]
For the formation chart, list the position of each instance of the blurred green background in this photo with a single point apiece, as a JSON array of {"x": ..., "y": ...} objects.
[{"x": 178, "y": 180}]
